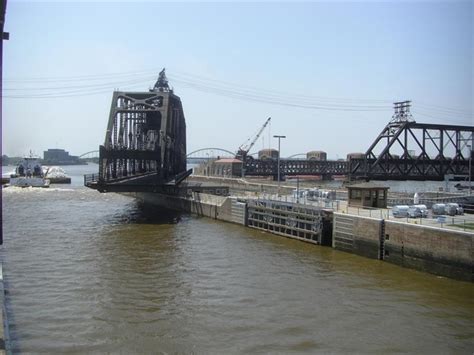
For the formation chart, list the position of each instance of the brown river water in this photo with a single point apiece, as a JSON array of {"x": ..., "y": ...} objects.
[{"x": 99, "y": 273}]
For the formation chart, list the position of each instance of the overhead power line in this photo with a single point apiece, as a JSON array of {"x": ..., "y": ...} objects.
[
  {"x": 84, "y": 86},
  {"x": 90, "y": 77},
  {"x": 197, "y": 78},
  {"x": 94, "y": 84}
]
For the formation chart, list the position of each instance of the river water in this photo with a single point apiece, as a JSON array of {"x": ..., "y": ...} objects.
[{"x": 99, "y": 273}]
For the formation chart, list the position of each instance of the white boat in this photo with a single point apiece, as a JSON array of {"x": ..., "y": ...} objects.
[{"x": 29, "y": 173}]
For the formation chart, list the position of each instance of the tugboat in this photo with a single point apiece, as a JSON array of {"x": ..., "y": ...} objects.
[{"x": 29, "y": 173}]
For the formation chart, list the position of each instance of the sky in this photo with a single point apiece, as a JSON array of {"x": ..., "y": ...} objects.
[{"x": 326, "y": 72}]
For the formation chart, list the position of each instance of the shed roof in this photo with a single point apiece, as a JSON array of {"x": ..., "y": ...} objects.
[{"x": 368, "y": 185}]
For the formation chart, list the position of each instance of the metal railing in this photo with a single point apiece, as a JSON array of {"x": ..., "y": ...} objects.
[
  {"x": 439, "y": 221},
  {"x": 90, "y": 179}
]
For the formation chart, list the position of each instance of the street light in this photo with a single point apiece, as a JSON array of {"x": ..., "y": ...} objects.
[
  {"x": 470, "y": 162},
  {"x": 278, "y": 164}
]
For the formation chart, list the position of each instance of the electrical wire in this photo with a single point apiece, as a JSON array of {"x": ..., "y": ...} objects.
[
  {"x": 206, "y": 85},
  {"x": 74, "y": 93},
  {"x": 279, "y": 93},
  {"x": 443, "y": 108},
  {"x": 90, "y": 77},
  {"x": 423, "y": 113},
  {"x": 84, "y": 87},
  {"x": 94, "y": 84}
]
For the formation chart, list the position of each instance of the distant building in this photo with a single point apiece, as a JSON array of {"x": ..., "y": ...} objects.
[
  {"x": 268, "y": 154},
  {"x": 316, "y": 155},
  {"x": 6, "y": 160},
  {"x": 59, "y": 157},
  {"x": 355, "y": 156}
]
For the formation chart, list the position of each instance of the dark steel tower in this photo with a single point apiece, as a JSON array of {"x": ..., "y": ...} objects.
[{"x": 145, "y": 140}]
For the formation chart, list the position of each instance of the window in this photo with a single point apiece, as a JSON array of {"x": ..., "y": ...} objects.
[{"x": 355, "y": 194}]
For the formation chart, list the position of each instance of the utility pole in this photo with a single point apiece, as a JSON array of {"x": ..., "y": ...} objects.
[
  {"x": 297, "y": 189},
  {"x": 470, "y": 167},
  {"x": 278, "y": 163},
  {"x": 5, "y": 36}
]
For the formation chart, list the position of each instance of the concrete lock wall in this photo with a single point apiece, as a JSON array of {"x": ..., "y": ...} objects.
[
  {"x": 356, "y": 234},
  {"x": 438, "y": 251},
  {"x": 212, "y": 206},
  {"x": 250, "y": 188}
]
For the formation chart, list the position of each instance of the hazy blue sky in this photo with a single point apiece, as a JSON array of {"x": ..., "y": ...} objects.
[{"x": 293, "y": 58}]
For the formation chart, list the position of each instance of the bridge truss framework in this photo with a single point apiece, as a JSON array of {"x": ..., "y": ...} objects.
[{"x": 404, "y": 150}]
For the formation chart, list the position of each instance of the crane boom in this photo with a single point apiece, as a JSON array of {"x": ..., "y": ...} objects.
[{"x": 243, "y": 150}]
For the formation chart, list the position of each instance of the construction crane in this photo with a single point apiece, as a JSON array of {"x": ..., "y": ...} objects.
[{"x": 244, "y": 149}]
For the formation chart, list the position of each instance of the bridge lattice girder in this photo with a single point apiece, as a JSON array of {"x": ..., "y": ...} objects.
[
  {"x": 402, "y": 151},
  {"x": 416, "y": 151},
  {"x": 256, "y": 167},
  {"x": 146, "y": 134}
]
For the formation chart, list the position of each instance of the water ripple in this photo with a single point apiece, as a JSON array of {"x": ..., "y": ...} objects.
[{"x": 89, "y": 272}]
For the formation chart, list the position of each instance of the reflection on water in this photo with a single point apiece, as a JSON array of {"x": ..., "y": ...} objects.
[
  {"x": 146, "y": 214},
  {"x": 91, "y": 272}
]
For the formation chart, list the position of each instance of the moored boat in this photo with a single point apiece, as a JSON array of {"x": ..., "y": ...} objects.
[{"x": 29, "y": 173}]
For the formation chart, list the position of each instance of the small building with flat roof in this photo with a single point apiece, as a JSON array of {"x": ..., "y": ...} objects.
[{"x": 367, "y": 194}]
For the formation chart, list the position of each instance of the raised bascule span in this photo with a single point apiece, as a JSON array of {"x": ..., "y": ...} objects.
[{"x": 145, "y": 142}]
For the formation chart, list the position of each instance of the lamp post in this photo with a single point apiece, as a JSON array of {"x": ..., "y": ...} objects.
[
  {"x": 470, "y": 165},
  {"x": 278, "y": 163}
]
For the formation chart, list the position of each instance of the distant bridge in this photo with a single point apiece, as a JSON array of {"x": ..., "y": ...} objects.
[
  {"x": 206, "y": 154},
  {"x": 91, "y": 154},
  {"x": 298, "y": 156}
]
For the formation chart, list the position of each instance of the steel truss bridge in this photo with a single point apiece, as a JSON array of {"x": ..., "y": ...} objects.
[
  {"x": 404, "y": 150},
  {"x": 289, "y": 167},
  {"x": 408, "y": 151},
  {"x": 425, "y": 152},
  {"x": 90, "y": 154},
  {"x": 145, "y": 144},
  {"x": 206, "y": 154}
]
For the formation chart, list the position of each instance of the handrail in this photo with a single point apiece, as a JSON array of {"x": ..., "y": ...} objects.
[{"x": 90, "y": 179}]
